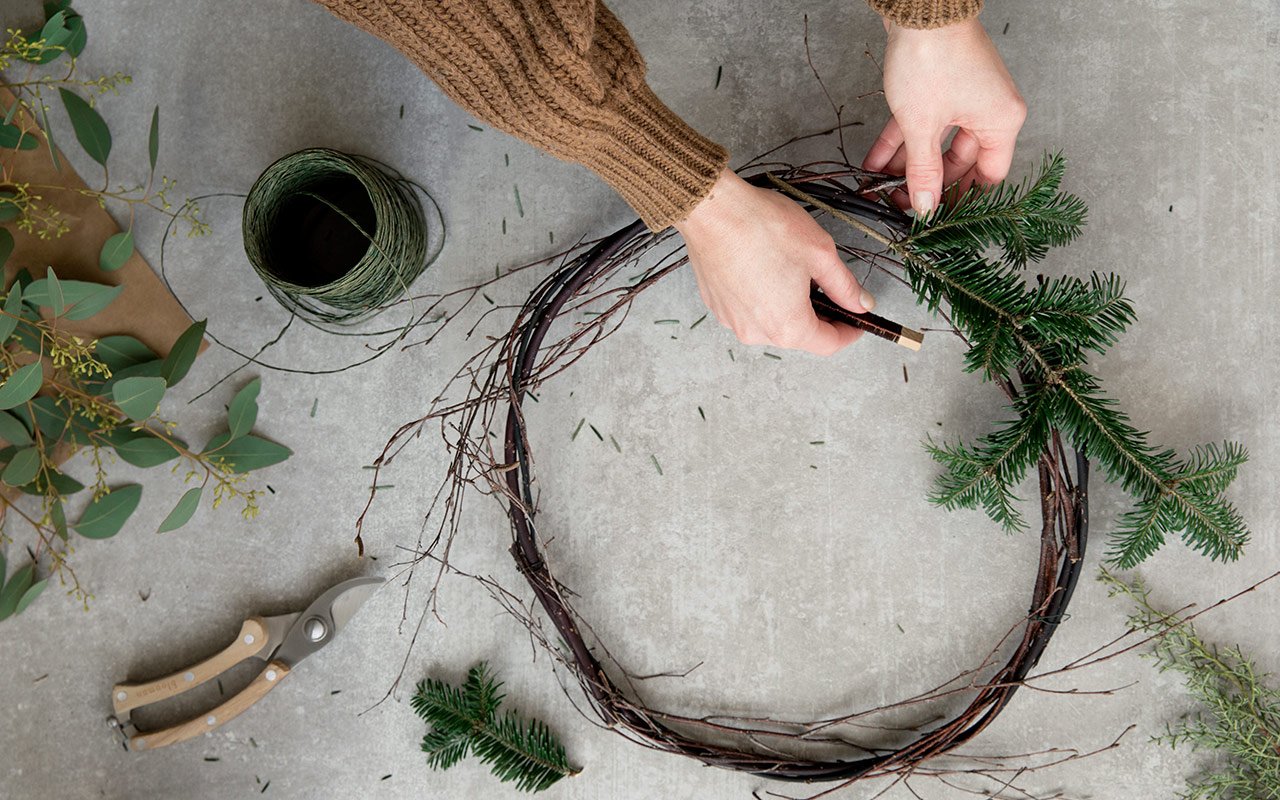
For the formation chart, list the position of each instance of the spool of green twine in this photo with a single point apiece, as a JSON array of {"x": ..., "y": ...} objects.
[{"x": 333, "y": 236}]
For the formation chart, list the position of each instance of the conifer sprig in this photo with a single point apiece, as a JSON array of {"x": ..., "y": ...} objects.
[
  {"x": 1045, "y": 333},
  {"x": 970, "y": 255},
  {"x": 465, "y": 720},
  {"x": 1239, "y": 717}
]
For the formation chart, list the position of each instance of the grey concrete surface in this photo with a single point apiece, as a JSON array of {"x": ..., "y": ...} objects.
[{"x": 802, "y": 591}]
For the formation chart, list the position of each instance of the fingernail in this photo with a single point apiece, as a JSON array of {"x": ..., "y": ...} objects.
[
  {"x": 924, "y": 202},
  {"x": 868, "y": 300}
]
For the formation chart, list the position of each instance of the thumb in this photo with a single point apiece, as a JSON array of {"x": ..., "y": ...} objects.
[
  {"x": 924, "y": 168},
  {"x": 837, "y": 281}
]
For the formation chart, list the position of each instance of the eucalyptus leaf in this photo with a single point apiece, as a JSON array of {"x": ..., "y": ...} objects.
[
  {"x": 243, "y": 412},
  {"x": 138, "y": 397},
  {"x": 91, "y": 130},
  {"x": 147, "y": 369},
  {"x": 246, "y": 453},
  {"x": 107, "y": 515},
  {"x": 61, "y": 483},
  {"x": 53, "y": 288},
  {"x": 48, "y": 137},
  {"x": 29, "y": 596},
  {"x": 81, "y": 299},
  {"x": 12, "y": 310},
  {"x": 54, "y": 36},
  {"x": 9, "y": 208},
  {"x": 182, "y": 512},
  {"x": 13, "y": 137},
  {"x": 116, "y": 251},
  {"x": 58, "y": 515},
  {"x": 79, "y": 35},
  {"x": 13, "y": 591},
  {"x": 118, "y": 352},
  {"x": 6, "y": 245},
  {"x": 183, "y": 355},
  {"x": 55, "y": 23},
  {"x": 3, "y": 566},
  {"x": 140, "y": 449},
  {"x": 12, "y": 430},
  {"x": 93, "y": 303},
  {"x": 48, "y": 415},
  {"x": 21, "y": 386},
  {"x": 23, "y": 468},
  {"x": 153, "y": 139}
]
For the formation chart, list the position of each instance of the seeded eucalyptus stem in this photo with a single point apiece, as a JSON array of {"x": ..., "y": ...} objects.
[{"x": 60, "y": 393}]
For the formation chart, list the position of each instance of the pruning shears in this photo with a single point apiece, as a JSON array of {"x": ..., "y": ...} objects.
[{"x": 281, "y": 641}]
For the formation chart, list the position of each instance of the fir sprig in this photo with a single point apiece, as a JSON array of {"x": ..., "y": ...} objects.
[
  {"x": 1239, "y": 717},
  {"x": 970, "y": 255},
  {"x": 1043, "y": 334},
  {"x": 465, "y": 720}
]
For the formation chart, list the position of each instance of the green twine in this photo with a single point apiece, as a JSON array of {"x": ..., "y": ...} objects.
[{"x": 398, "y": 244}]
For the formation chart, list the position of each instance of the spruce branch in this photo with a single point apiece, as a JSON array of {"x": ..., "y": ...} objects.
[
  {"x": 1239, "y": 717},
  {"x": 1044, "y": 334},
  {"x": 465, "y": 720},
  {"x": 1024, "y": 221}
]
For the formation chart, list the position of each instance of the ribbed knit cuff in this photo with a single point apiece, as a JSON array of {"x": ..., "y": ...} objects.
[
  {"x": 926, "y": 13},
  {"x": 660, "y": 165}
]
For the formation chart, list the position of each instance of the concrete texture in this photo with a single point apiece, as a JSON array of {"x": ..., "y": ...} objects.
[{"x": 803, "y": 591}]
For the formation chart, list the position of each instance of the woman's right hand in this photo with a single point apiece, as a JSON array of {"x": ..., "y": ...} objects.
[{"x": 754, "y": 253}]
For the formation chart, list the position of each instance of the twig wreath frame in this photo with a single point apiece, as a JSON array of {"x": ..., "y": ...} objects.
[
  {"x": 1060, "y": 319},
  {"x": 1064, "y": 534}
]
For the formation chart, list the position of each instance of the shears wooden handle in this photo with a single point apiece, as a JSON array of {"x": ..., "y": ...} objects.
[{"x": 252, "y": 640}]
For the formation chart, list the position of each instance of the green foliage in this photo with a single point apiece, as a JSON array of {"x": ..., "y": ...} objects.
[
  {"x": 183, "y": 355},
  {"x": 153, "y": 139},
  {"x": 62, "y": 39},
  {"x": 465, "y": 720},
  {"x": 19, "y": 591},
  {"x": 970, "y": 256},
  {"x": 116, "y": 251},
  {"x": 245, "y": 453},
  {"x": 1238, "y": 716},
  {"x": 90, "y": 128},
  {"x": 108, "y": 512},
  {"x": 138, "y": 398},
  {"x": 243, "y": 411},
  {"x": 60, "y": 393},
  {"x": 183, "y": 511}
]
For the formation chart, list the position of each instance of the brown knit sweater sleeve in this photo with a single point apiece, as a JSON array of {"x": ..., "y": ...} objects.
[
  {"x": 926, "y": 13},
  {"x": 561, "y": 74}
]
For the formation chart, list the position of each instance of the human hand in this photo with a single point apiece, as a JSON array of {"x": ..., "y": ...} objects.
[
  {"x": 754, "y": 253},
  {"x": 935, "y": 80}
]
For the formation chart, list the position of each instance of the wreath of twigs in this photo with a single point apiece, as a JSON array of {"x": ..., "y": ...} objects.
[{"x": 513, "y": 367}]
